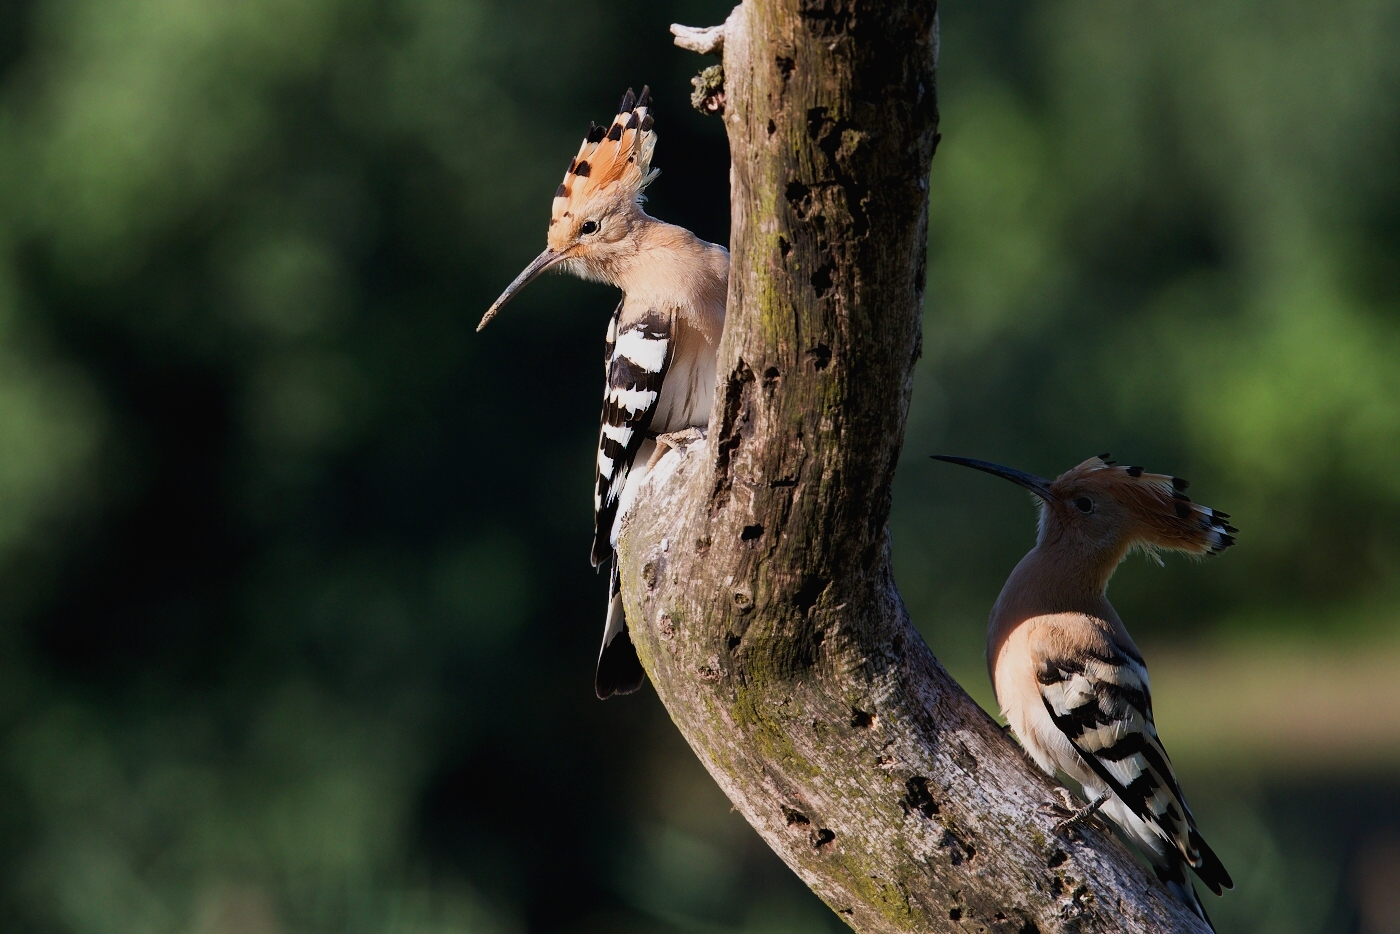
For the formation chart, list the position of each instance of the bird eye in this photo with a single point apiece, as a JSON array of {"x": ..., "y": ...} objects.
[
  {"x": 588, "y": 227},
  {"x": 1084, "y": 504}
]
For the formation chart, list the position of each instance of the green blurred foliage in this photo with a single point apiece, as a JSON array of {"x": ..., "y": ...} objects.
[
  {"x": 296, "y": 627},
  {"x": 293, "y": 589},
  {"x": 1171, "y": 233}
]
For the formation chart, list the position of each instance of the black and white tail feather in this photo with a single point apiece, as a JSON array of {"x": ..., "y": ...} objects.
[
  {"x": 619, "y": 669},
  {"x": 638, "y": 356},
  {"x": 1103, "y": 706}
]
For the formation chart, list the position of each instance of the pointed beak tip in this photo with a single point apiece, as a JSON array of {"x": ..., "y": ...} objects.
[{"x": 538, "y": 265}]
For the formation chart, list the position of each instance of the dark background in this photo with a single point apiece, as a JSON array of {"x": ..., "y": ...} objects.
[{"x": 297, "y": 626}]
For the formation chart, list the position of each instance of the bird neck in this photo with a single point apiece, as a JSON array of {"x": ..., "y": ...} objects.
[
  {"x": 1046, "y": 584},
  {"x": 1047, "y": 580},
  {"x": 672, "y": 268}
]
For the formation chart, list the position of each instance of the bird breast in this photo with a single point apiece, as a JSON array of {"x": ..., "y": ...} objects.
[
  {"x": 1018, "y": 694},
  {"x": 1016, "y": 653},
  {"x": 689, "y": 386}
]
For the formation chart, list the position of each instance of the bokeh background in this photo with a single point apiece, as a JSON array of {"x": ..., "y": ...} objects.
[{"x": 297, "y": 626}]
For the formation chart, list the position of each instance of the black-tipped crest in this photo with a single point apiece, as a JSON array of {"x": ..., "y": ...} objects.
[
  {"x": 1165, "y": 517},
  {"x": 612, "y": 166},
  {"x": 614, "y": 157}
]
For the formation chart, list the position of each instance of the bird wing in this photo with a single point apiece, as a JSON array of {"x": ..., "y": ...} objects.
[
  {"x": 1102, "y": 702},
  {"x": 610, "y": 341},
  {"x": 639, "y": 353}
]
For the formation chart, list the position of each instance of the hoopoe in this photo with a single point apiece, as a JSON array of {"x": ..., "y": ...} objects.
[
  {"x": 662, "y": 342},
  {"x": 1067, "y": 675}
]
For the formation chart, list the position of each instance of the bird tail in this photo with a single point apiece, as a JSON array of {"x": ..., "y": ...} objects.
[
  {"x": 619, "y": 669},
  {"x": 1211, "y": 870},
  {"x": 1174, "y": 875}
]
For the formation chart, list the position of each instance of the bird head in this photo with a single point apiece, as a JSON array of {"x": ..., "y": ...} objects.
[
  {"x": 597, "y": 218},
  {"x": 1104, "y": 509}
]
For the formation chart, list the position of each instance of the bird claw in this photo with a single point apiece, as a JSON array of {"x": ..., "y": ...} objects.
[
  {"x": 1070, "y": 816},
  {"x": 1056, "y": 810},
  {"x": 677, "y": 440}
]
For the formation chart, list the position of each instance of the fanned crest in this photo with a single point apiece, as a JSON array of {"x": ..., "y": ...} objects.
[
  {"x": 613, "y": 162},
  {"x": 598, "y": 231}
]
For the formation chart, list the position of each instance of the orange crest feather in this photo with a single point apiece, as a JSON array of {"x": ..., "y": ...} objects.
[
  {"x": 1166, "y": 516},
  {"x": 615, "y": 161}
]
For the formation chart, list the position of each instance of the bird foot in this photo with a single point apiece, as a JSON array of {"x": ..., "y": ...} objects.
[
  {"x": 679, "y": 440},
  {"x": 1070, "y": 816}
]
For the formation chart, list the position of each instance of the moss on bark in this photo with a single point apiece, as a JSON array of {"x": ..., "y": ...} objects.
[{"x": 755, "y": 566}]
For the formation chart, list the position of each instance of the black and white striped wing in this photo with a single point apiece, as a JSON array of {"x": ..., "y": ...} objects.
[
  {"x": 1103, "y": 705},
  {"x": 610, "y": 341},
  {"x": 639, "y": 356}
]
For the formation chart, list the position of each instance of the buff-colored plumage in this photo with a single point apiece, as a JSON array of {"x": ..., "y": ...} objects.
[
  {"x": 1068, "y": 676},
  {"x": 663, "y": 340}
]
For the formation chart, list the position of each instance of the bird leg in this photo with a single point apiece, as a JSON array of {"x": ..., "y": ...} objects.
[
  {"x": 1071, "y": 816},
  {"x": 679, "y": 440}
]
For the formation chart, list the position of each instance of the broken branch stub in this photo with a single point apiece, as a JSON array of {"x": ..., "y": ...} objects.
[
  {"x": 756, "y": 568},
  {"x": 707, "y": 40}
]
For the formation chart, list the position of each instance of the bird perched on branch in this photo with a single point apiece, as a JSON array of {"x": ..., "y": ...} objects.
[
  {"x": 662, "y": 343},
  {"x": 1067, "y": 675}
]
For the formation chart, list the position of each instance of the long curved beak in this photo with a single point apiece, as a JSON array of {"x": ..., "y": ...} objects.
[
  {"x": 1037, "y": 485},
  {"x": 537, "y": 265}
]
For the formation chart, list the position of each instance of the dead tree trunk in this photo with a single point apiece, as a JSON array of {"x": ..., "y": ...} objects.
[{"x": 756, "y": 568}]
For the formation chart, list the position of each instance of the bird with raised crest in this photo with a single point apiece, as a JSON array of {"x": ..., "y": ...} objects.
[
  {"x": 662, "y": 342},
  {"x": 1068, "y": 677}
]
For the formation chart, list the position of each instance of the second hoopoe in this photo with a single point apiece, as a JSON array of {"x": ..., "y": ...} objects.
[
  {"x": 1067, "y": 675},
  {"x": 662, "y": 343}
]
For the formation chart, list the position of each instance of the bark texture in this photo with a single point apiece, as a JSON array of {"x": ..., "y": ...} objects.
[{"x": 756, "y": 568}]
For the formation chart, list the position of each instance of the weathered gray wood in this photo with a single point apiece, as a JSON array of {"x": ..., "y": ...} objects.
[{"x": 756, "y": 568}]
